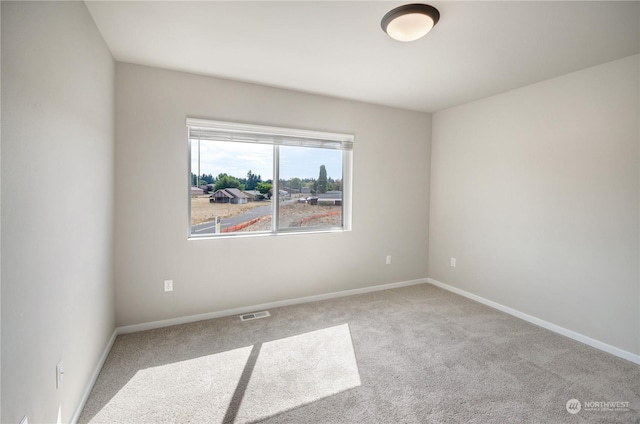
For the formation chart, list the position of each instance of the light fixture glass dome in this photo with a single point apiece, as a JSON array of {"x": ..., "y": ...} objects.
[{"x": 410, "y": 22}]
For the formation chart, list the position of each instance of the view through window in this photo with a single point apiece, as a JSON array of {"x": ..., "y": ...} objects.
[{"x": 250, "y": 179}]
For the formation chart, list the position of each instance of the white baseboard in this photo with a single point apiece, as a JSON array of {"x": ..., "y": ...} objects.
[
  {"x": 94, "y": 377},
  {"x": 245, "y": 309},
  {"x": 541, "y": 323}
]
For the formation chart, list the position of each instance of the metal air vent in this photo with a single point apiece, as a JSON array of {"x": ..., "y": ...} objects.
[{"x": 254, "y": 315}]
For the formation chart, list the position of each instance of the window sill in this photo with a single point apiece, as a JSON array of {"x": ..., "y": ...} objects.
[{"x": 227, "y": 236}]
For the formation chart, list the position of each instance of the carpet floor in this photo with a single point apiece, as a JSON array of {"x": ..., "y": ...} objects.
[{"x": 416, "y": 354}]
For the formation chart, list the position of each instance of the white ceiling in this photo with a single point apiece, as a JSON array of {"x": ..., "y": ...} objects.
[{"x": 338, "y": 49}]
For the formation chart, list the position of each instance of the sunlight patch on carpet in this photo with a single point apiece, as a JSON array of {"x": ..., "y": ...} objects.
[
  {"x": 200, "y": 387},
  {"x": 298, "y": 370},
  {"x": 239, "y": 385}
]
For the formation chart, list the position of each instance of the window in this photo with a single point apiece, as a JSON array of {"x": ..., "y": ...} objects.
[{"x": 250, "y": 179}]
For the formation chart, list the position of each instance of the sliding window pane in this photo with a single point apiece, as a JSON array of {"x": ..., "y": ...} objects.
[
  {"x": 310, "y": 188},
  {"x": 230, "y": 187}
]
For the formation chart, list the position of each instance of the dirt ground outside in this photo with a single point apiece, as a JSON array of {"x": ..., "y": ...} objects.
[
  {"x": 203, "y": 211},
  {"x": 301, "y": 215}
]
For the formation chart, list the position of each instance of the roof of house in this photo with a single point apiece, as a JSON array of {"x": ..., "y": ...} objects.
[
  {"x": 231, "y": 193},
  {"x": 236, "y": 193},
  {"x": 222, "y": 193},
  {"x": 331, "y": 194}
]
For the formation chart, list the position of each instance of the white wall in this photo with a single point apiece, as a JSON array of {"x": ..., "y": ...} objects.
[
  {"x": 57, "y": 206},
  {"x": 536, "y": 194},
  {"x": 390, "y": 199}
]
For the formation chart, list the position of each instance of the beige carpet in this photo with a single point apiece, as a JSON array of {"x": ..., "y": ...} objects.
[{"x": 412, "y": 355}]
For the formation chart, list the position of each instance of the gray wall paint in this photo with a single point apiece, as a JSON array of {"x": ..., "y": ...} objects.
[
  {"x": 57, "y": 206},
  {"x": 0, "y": 221},
  {"x": 390, "y": 199},
  {"x": 535, "y": 192}
]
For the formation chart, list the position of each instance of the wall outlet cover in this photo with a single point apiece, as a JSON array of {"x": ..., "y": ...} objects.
[{"x": 168, "y": 285}]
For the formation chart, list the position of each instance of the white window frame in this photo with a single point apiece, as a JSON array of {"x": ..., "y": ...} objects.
[{"x": 276, "y": 136}]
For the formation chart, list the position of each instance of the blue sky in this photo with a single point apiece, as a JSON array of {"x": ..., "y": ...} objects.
[{"x": 236, "y": 159}]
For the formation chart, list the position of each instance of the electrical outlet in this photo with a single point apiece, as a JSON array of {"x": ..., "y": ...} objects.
[
  {"x": 168, "y": 285},
  {"x": 388, "y": 260},
  {"x": 59, "y": 374},
  {"x": 453, "y": 262}
]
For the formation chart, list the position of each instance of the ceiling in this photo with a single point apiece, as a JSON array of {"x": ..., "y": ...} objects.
[{"x": 337, "y": 48}]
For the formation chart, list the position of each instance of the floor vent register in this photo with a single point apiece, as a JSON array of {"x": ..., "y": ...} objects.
[{"x": 254, "y": 315}]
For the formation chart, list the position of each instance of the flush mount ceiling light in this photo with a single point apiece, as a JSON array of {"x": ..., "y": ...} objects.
[{"x": 410, "y": 22}]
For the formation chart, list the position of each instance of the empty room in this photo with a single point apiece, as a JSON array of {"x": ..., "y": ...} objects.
[{"x": 320, "y": 212}]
